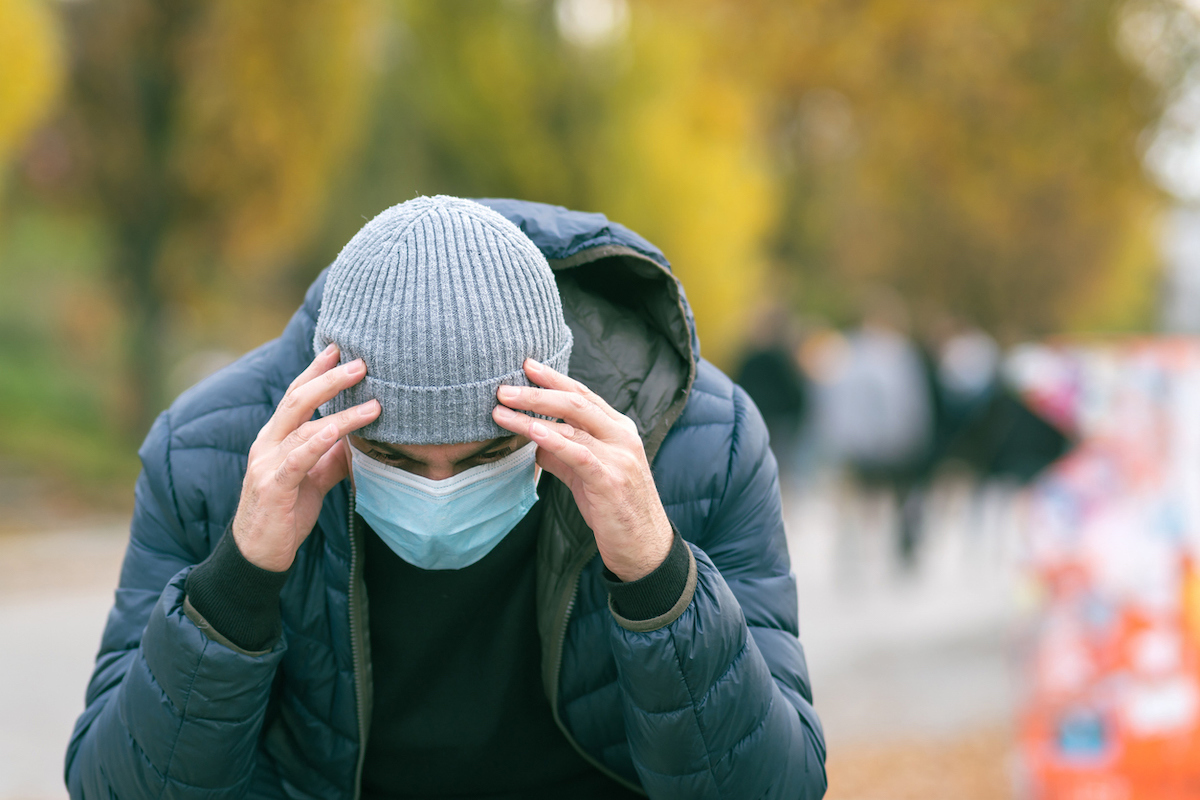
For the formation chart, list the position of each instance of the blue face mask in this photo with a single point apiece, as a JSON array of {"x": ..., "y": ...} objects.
[{"x": 447, "y": 524}]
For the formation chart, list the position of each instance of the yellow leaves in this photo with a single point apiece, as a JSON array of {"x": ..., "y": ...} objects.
[
  {"x": 994, "y": 172},
  {"x": 692, "y": 179},
  {"x": 31, "y": 69},
  {"x": 1122, "y": 289},
  {"x": 275, "y": 96}
]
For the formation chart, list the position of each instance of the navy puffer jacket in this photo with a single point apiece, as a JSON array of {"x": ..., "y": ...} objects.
[{"x": 712, "y": 700}]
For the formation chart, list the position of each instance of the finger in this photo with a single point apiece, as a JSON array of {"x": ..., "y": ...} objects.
[
  {"x": 521, "y": 424},
  {"x": 573, "y": 407},
  {"x": 545, "y": 375},
  {"x": 323, "y": 361},
  {"x": 297, "y": 407},
  {"x": 577, "y": 458},
  {"x": 296, "y": 465},
  {"x": 347, "y": 420},
  {"x": 332, "y": 468},
  {"x": 554, "y": 465}
]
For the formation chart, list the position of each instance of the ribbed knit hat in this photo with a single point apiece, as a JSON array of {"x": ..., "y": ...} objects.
[{"x": 443, "y": 299}]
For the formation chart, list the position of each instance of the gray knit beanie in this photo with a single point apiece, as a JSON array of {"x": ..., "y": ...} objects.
[{"x": 443, "y": 299}]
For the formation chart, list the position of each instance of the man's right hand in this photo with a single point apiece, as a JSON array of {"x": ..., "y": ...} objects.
[{"x": 295, "y": 460}]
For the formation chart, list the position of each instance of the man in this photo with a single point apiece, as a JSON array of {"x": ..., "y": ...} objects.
[{"x": 387, "y": 448}]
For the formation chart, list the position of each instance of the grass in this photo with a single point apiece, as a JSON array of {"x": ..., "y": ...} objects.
[{"x": 59, "y": 339}]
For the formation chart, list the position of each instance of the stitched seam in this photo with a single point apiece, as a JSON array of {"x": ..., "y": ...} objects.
[
  {"x": 605, "y": 239},
  {"x": 144, "y": 549},
  {"x": 689, "y": 501},
  {"x": 733, "y": 454},
  {"x": 761, "y": 723},
  {"x": 610, "y": 239},
  {"x": 711, "y": 394},
  {"x": 295, "y": 634},
  {"x": 186, "y": 448},
  {"x": 307, "y": 709},
  {"x": 686, "y": 425},
  {"x": 171, "y": 478},
  {"x": 249, "y": 404},
  {"x": 643, "y": 768},
  {"x": 142, "y": 754},
  {"x": 695, "y": 713},
  {"x": 666, "y": 713},
  {"x": 166, "y": 779},
  {"x": 177, "y": 782},
  {"x": 183, "y": 716},
  {"x": 725, "y": 675},
  {"x": 568, "y": 704}
]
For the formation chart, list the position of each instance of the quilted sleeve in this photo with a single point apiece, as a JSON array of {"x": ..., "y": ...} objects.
[
  {"x": 169, "y": 712},
  {"x": 717, "y": 701}
]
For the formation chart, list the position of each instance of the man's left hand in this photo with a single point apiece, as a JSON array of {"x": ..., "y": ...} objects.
[{"x": 597, "y": 453}]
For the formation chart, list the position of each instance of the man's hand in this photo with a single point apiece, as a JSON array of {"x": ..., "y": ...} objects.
[
  {"x": 596, "y": 451},
  {"x": 295, "y": 461}
]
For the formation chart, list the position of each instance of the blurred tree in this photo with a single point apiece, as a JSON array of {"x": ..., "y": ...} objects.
[
  {"x": 31, "y": 70},
  {"x": 981, "y": 156},
  {"x": 207, "y": 134},
  {"x": 692, "y": 173},
  {"x": 591, "y": 104}
]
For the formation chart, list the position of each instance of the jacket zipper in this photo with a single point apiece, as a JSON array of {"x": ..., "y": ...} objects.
[
  {"x": 356, "y": 648},
  {"x": 560, "y": 645}
]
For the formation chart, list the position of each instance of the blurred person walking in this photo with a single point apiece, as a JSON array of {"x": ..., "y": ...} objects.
[
  {"x": 1004, "y": 442},
  {"x": 362, "y": 461},
  {"x": 878, "y": 415},
  {"x": 968, "y": 369},
  {"x": 770, "y": 373}
]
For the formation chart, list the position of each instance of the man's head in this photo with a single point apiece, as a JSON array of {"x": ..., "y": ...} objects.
[{"x": 443, "y": 299}]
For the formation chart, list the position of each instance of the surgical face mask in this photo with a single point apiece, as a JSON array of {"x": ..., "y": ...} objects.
[{"x": 446, "y": 524}]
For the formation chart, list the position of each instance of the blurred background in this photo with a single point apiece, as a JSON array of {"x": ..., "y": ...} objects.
[{"x": 951, "y": 249}]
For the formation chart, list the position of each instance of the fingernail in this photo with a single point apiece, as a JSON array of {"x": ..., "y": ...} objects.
[
  {"x": 356, "y": 366},
  {"x": 329, "y": 348},
  {"x": 538, "y": 429},
  {"x": 505, "y": 411},
  {"x": 368, "y": 409},
  {"x": 533, "y": 365},
  {"x": 509, "y": 392}
]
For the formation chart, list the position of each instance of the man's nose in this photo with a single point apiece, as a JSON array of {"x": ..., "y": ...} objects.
[{"x": 439, "y": 472}]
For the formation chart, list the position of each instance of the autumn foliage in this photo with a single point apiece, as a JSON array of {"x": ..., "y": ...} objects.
[{"x": 982, "y": 156}]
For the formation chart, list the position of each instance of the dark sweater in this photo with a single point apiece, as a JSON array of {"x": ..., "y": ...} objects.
[{"x": 459, "y": 708}]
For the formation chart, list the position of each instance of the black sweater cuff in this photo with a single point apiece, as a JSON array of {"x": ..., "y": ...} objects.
[
  {"x": 655, "y": 594},
  {"x": 239, "y": 600}
]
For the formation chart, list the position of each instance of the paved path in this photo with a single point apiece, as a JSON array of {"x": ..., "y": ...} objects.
[
  {"x": 891, "y": 658},
  {"x": 896, "y": 656},
  {"x": 55, "y": 591}
]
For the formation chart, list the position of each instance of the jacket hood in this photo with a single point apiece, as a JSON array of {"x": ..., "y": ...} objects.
[{"x": 635, "y": 335}]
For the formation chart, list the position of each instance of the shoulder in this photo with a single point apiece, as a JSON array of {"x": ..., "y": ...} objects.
[
  {"x": 720, "y": 429},
  {"x": 198, "y": 448},
  {"x": 225, "y": 411}
]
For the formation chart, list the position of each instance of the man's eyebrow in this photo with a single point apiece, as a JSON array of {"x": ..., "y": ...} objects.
[{"x": 398, "y": 450}]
